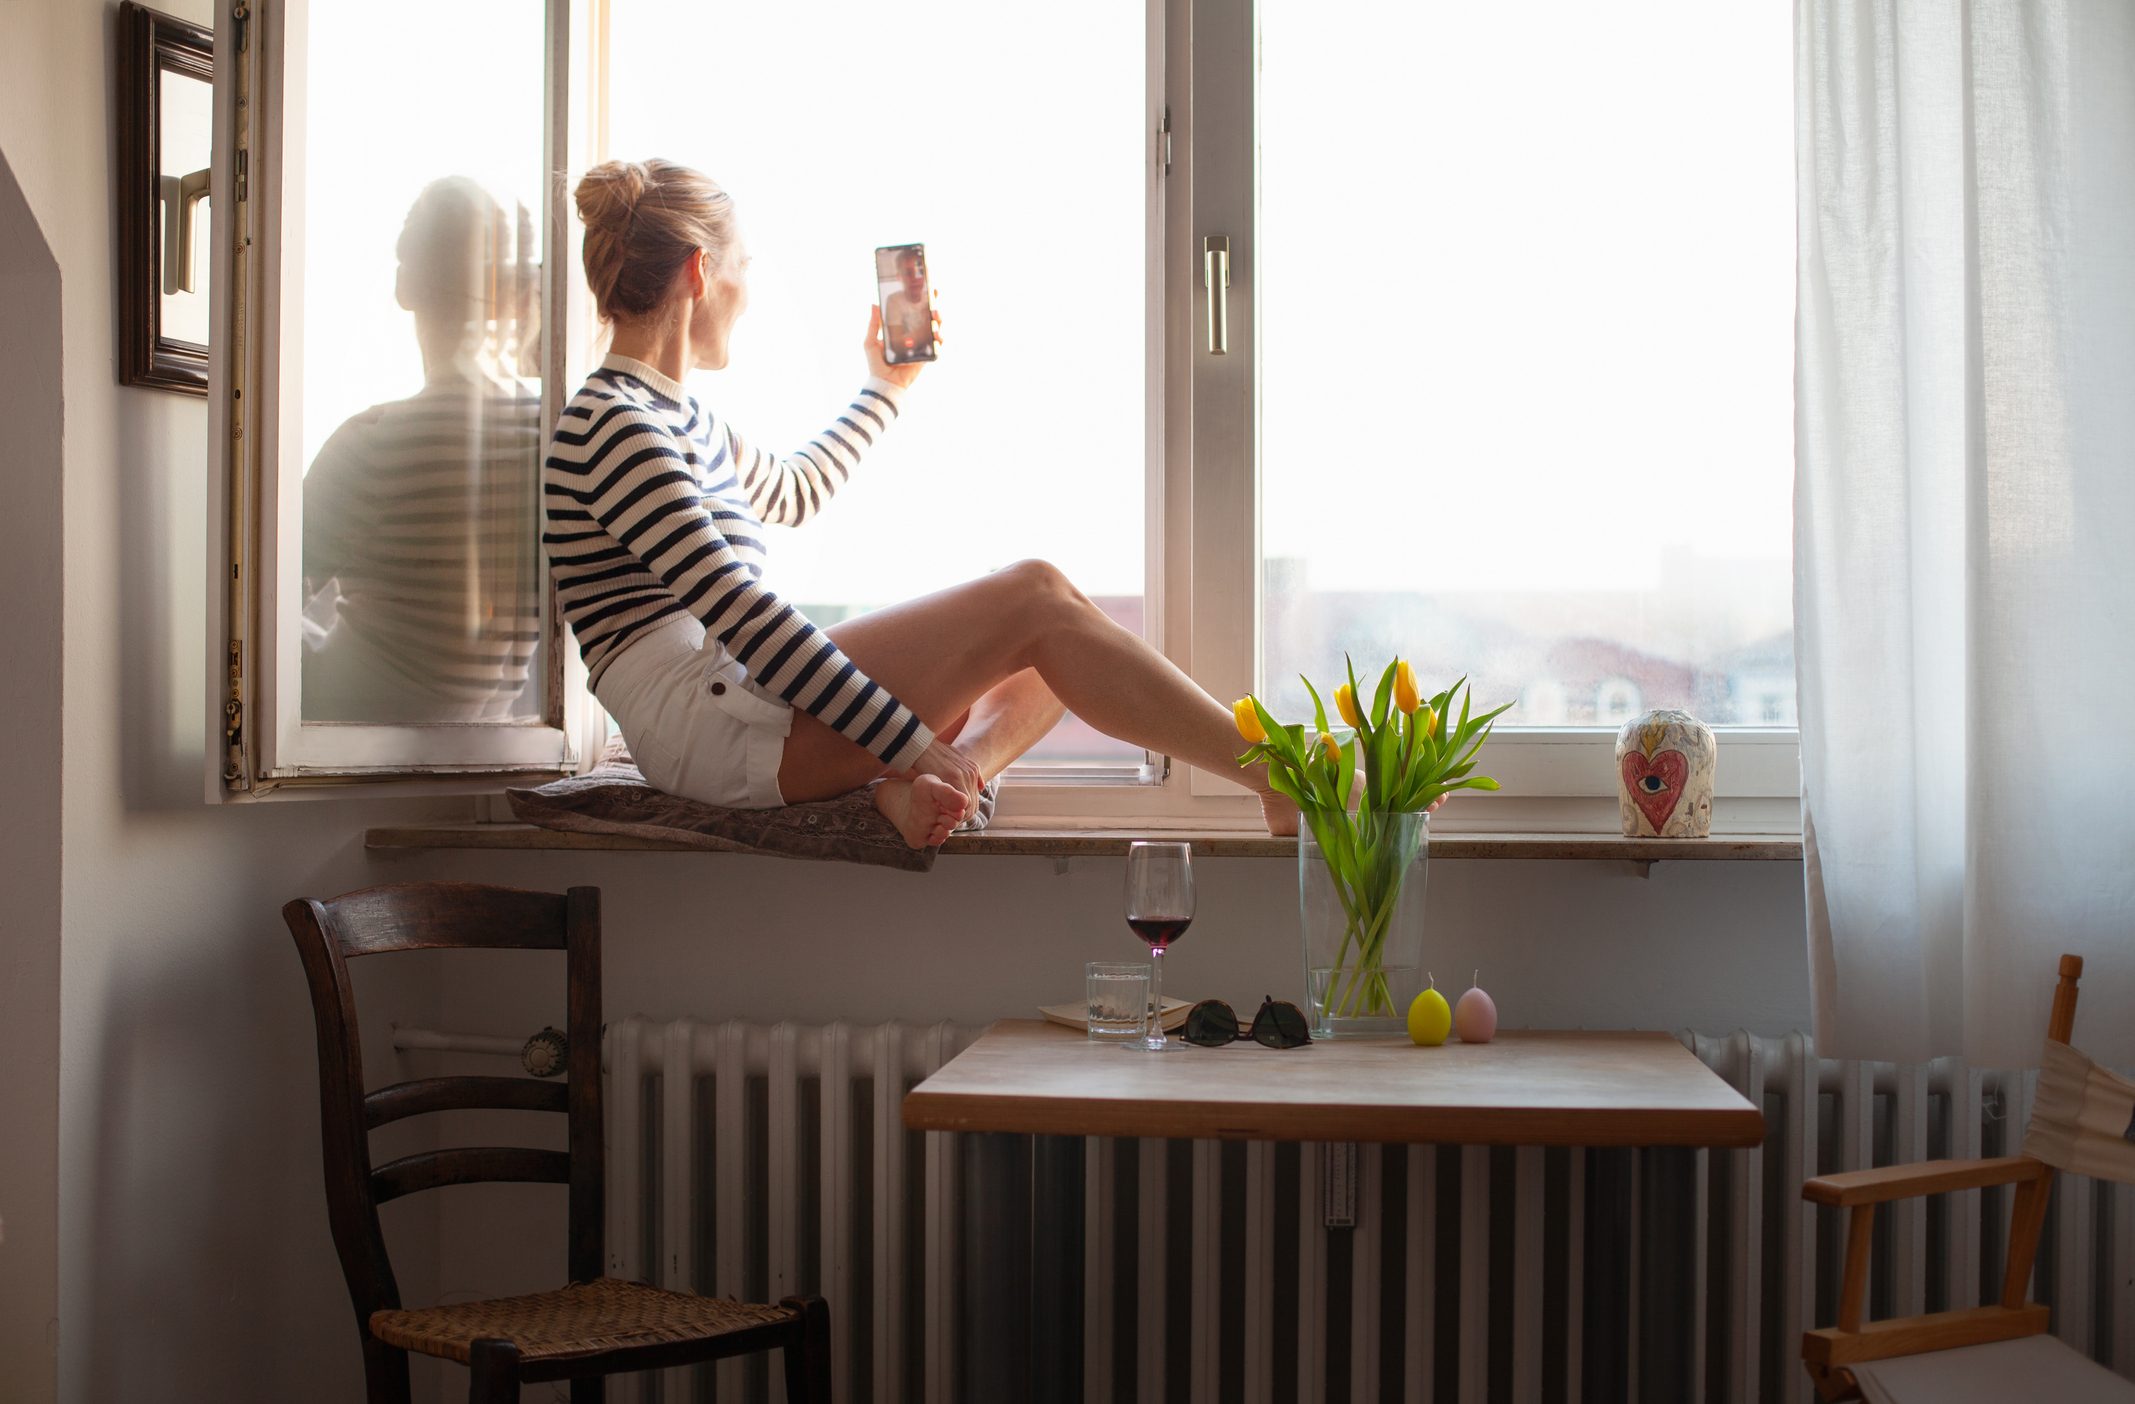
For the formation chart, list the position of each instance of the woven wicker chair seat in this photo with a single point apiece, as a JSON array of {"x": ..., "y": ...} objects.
[{"x": 584, "y": 1318}]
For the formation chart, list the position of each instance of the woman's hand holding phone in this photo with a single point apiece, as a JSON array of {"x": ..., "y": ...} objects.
[{"x": 900, "y": 375}]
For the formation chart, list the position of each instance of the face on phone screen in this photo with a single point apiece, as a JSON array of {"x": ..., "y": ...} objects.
[{"x": 907, "y": 316}]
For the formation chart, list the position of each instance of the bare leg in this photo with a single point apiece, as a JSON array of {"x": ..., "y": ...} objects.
[
  {"x": 1002, "y": 725},
  {"x": 1008, "y": 721},
  {"x": 942, "y": 653}
]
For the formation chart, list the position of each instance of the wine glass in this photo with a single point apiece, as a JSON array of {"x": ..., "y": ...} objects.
[{"x": 1160, "y": 905}]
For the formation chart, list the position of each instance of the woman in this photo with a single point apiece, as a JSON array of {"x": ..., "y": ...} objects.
[{"x": 726, "y": 693}]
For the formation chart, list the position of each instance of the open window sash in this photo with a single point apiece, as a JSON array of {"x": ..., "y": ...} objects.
[{"x": 394, "y": 317}]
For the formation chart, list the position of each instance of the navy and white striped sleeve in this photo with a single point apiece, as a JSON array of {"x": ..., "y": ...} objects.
[
  {"x": 788, "y": 491},
  {"x": 638, "y": 485}
]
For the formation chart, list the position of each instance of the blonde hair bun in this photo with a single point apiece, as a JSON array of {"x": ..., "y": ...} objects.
[{"x": 644, "y": 220}]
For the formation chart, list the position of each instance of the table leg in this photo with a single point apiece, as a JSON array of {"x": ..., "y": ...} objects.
[
  {"x": 1667, "y": 1272},
  {"x": 1605, "y": 1360},
  {"x": 994, "y": 1244},
  {"x": 1056, "y": 1228}
]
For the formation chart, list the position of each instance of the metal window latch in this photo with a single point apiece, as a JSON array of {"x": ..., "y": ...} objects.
[{"x": 1216, "y": 278}]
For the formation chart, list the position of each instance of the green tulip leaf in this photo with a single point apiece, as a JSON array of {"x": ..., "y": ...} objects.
[
  {"x": 1319, "y": 708},
  {"x": 1385, "y": 695}
]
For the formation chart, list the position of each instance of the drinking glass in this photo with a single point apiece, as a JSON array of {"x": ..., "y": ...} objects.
[
  {"x": 1160, "y": 905},
  {"x": 1118, "y": 999}
]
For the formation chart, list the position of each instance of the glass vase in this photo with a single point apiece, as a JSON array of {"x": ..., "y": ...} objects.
[{"x": 1360, "y": 883}]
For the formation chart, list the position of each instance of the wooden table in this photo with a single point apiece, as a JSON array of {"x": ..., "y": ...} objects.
[
  {"x": 1043, "y": 1084},
  {"x": 1524, "y": 1089}
]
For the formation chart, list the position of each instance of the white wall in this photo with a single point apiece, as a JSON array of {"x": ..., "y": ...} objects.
[
  {"x": 192, "y": 1259},
  {"x": 1706, "y": 945},
  {"x": 29, "y": 821}
]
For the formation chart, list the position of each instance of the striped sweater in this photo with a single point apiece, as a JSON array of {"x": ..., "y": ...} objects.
[
  {"x": 424, "y": 510},
  {"x": 656, "y": 508}
]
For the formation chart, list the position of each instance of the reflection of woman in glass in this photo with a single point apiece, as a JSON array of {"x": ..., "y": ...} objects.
[
  {"x": 724, "y": 691},
  {"x": 419, "y": 515}
]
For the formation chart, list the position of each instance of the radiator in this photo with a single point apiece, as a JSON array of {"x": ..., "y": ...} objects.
[{"x": 757, "y": 1160}]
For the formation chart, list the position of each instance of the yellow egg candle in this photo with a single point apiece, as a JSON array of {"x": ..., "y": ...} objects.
[{"x": 1430, "y": 1018}]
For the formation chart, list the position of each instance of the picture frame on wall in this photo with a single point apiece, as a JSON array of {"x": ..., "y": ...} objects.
[{"x": 165, "y": 115}]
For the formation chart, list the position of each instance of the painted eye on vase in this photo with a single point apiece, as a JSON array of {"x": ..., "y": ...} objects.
[{"x": 1651, "y": 784}]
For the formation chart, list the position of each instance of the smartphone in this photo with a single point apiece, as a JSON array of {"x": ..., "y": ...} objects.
[{"x": 907, "y": 303}]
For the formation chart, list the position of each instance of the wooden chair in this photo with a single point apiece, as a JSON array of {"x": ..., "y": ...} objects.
[
  {"x": 594, "y": 1327},
  {"x": 1991, "y": 1344}
]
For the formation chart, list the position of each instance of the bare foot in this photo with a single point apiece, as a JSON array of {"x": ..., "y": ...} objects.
[
  {"x": 924, "y": 809},
  {"x": 1281, "y": 813}
]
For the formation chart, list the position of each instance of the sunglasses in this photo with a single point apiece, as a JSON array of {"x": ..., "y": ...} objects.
[{"x": 1212, "y": 1024}]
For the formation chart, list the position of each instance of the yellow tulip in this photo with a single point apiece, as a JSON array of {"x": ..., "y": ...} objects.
[
  {"x": 1430, "y": 722},
  {"x": 1345, "y": 702},
  {"x": 1248, "y": 721},
  {"x": 1334, "y": 751},
  {"x": 1405, "y": 694}
]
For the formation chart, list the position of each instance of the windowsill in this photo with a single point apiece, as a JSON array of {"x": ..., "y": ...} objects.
[{"x": 1084, "y": 843}]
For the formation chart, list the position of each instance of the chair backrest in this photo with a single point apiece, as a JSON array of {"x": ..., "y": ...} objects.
[
  {"x": 434, "y": 916},
  {"x": 2027, "y": 1209},
  {"x": 2084, "y": 1118}
]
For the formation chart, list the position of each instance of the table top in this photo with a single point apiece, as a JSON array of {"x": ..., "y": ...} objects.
[{"x": 1526, "y": 1087}]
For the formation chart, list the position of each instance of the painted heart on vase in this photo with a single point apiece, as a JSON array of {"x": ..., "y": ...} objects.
[{"x": 1656, "y": 786}]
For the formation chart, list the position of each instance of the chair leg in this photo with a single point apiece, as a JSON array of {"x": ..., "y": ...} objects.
[
  {"x": 385, "y": 1372},
  {"x": 493, "y": 1373},
  {"x": 808, "y": 1355}
]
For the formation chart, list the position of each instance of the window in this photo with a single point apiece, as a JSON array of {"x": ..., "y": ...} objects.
[
  {"x": 1519, "y": 329},
  {"x": 1505, "y": 388},
  {"x": 388, "y": 605},
  {"x": 1525, "y": 351}
]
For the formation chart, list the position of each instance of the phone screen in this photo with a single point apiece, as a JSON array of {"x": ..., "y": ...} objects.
[{"x": 907, "y": 309}]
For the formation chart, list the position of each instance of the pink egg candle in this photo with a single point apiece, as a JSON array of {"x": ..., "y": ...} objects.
[{"x": 1475, "y": 1017}]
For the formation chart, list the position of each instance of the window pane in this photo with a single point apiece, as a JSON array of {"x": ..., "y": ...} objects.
[
  {"x": 1526, "y": 300},
  {"x": 1007, "y": 139},
  {"x": 421, "y": 385}
]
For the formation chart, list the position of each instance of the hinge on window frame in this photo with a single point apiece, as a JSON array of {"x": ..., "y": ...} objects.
[
  {"x": 1163, "y": 144},
  {"x": 233, "y": 723},
  {"x": 237, "y": 766}
]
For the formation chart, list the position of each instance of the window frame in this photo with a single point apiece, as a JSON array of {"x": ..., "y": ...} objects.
[{"x": 260, "y": 744}]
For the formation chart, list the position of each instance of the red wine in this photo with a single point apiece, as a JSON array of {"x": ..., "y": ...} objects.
[{"x": 1159, "y": 932}]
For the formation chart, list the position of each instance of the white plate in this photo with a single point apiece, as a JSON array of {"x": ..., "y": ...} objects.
[{"x": 1077, "y": 1016}]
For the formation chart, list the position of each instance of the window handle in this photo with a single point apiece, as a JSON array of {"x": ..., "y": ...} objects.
[{"x": 1216, "y": 278}]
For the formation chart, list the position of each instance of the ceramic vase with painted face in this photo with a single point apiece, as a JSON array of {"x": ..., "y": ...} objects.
[{"x": 1664, "y": 763}]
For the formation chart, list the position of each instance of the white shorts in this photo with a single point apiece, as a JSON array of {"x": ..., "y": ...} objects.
[{"x": 697, "y": 724}]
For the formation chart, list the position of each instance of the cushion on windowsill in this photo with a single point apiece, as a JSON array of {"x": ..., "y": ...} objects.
[{"x": 613, "y": 798}]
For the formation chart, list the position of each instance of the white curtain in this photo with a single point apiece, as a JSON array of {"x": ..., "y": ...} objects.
[{"x": 1965, "y": 521}]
